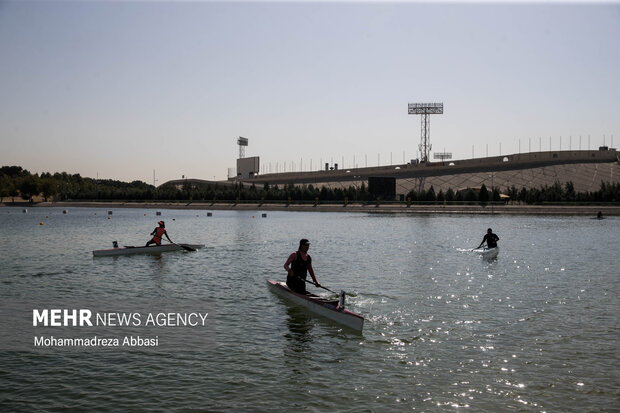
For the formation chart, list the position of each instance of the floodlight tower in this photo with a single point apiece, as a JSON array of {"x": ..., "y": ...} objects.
[
  {"x": 242, "y": 142},
  {"x": 425, "y": 109}
]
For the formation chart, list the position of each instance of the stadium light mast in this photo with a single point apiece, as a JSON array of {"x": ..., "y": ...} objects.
[
  {"x": 425, "y": 109},
  {"x": 242, "y": 142}
]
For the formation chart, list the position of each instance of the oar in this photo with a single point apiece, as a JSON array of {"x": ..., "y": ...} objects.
[
  {"x": 185, "y": 247},
  {"x": 320, "y": 286}
]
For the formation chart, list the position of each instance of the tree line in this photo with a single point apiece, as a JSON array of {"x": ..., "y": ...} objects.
[{"x": 16, "y": 182}]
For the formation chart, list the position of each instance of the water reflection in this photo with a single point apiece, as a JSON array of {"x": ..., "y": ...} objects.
[
  {"x": 155, "y": 258},
  {"x": 299, "y": 324},
  {"x": 298, "y": 349}
]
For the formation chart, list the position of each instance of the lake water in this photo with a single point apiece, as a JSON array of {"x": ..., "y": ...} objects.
[{"x": 534, "y": 330}]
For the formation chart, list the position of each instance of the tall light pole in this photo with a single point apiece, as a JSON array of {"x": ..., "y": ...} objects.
[
  {"x": 242, "y": 142},
  {"x": 425, "y": 109}
]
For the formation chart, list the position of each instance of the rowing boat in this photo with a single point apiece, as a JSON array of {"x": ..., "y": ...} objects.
[
  {"x": 487, "y": 253},
  {"x": 154, "y": 249},
  {"x": 319, "y": 305}
]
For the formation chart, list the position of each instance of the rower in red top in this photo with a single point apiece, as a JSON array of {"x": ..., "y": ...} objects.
[
  {"x": 297, "y": 266},
  {"x": 158, "y": 233}
]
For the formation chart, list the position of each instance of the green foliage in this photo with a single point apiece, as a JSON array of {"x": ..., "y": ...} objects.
[
  {"x": 29, "y": 187},
  {"x": 470, "y": 196},
  {"x": 441, "y": 197},
  {"x": 450, "y": 196},
  {"x": 16, "y": 181},
  {"x": 430, "y": 195},
  {"x": 483, "y": 195}
]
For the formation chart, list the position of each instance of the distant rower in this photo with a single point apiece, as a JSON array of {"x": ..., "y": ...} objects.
[{"x": 490, "y": 238}]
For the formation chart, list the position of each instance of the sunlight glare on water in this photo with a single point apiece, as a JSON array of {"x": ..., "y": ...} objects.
[{"x": 533, "y": 330}]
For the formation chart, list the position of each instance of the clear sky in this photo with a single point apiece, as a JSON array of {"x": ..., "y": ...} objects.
[{"x": 118, "y": 89}]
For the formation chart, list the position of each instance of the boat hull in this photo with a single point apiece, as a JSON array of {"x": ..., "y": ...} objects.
[
  {"x": 317, "y": 305},
  {"x": 154, "y": 249},
  {"x": 487, "y": 253}
]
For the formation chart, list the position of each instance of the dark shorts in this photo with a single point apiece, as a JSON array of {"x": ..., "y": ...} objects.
[{"x": 295, "y": 284}]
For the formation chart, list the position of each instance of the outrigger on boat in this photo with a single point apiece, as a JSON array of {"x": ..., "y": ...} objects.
[
  {"x": 154, "y": 249},
  {"x": 332, "y": 309}
]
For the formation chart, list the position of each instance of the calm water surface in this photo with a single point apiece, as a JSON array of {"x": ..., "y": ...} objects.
[{"x": 535, "y": 330}]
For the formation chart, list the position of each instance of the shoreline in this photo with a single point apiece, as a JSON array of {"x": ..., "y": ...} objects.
[{"x": 584, "y": 210}]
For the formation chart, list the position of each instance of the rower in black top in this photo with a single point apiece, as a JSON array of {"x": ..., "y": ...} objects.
[
  {"x": 490, "y": 238},
  {"x": 298, "y": 265}
]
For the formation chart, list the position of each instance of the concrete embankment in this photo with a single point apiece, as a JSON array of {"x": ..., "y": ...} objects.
[{"x": 590, "y": 210}]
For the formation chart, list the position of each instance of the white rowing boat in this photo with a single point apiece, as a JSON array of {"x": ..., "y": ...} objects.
[
  {"x": 153, "y": 249},
  {"x": 487, "y": 253},
  {"x": 319, "y": 305}
]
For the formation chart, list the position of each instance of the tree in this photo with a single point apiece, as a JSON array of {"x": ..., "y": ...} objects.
[
  {"x": 441, "y": 197},
  {"x": 413, "y": 195},
  {"x": 5, "y": 186},
  {"x": 534, "y": 196},
  {"x": 513, "y": 193},
  {"x": 495, "y": 195},
  {"x": 569, "y": 192},
  {"x": 48, "y": 188},
  {"x": 470, "y": 196},
  {"x": 483, "y": 196},
  {"x": 14, "y": 171},
  {"x": 450, "y": 195},
  {"x": 13, "y": 192},
  {"x": 459, "y": 197},
  {"x": 430, "y": 195},
  {"x": 29, "y": 187}
]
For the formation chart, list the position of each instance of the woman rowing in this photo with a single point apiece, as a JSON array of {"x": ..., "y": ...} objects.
[
  {"x": 297, "y": 267},
  {"x": 158, "y": 233}
]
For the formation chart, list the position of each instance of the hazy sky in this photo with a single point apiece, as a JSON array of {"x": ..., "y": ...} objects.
[{"x": 121, "y": 88}]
